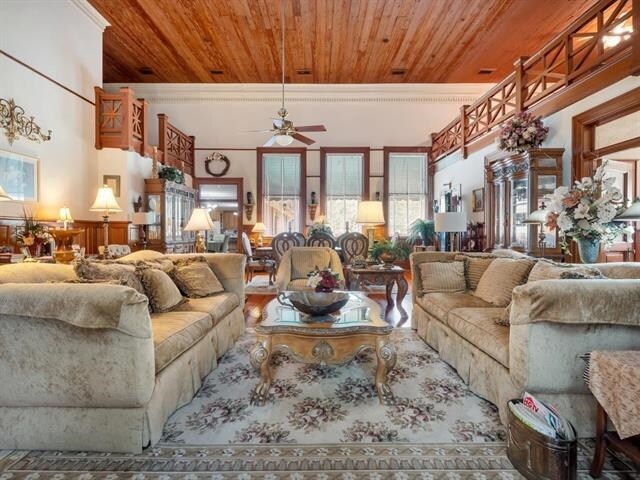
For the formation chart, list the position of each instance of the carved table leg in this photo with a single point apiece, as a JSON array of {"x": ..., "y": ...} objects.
[
  {"x": 259, "y": 358},
  {"x": 403, "y": 287},
  {"x": 386, "y": 354},
  {"x": 601, "y": 443},
  {"x": 389, "y": 287}
]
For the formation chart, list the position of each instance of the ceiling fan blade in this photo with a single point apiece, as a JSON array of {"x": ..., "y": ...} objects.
[
  {"x": 303, "y": 139},
  {"x": 258, "y": 131},
  {"x": 312, "y": 128},
  {"x": 270, "y": 142},
  {"x": 277, "y": 122}
]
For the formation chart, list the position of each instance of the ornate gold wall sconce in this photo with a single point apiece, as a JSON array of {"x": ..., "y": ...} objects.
[{"x": 17, "y": 124}]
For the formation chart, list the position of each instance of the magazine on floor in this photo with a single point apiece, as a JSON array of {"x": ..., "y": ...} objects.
[{"x": 542, "y": 418}]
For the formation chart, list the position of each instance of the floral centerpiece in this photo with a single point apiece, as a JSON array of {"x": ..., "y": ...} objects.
[
  {"x": 586, "y": 213},
  {"x": 34, "y": 235},
  {"x": 320, "y": 227},
  {"x": 323, "y": 280},
  {"x": 521, "y": 133}
]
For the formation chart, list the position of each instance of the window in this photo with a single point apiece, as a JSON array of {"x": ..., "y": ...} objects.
[
  {"x": 282, "y": 174},
  {"x": 345, "y": 176},
  {"x": 406, "y": 196}
]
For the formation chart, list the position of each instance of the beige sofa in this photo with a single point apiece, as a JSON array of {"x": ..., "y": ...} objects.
[
  {"x": 552, "y": 323},
  {"x": 84, "y": 366}
]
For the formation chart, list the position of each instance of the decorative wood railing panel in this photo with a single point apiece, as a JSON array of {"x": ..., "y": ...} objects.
[
  {"x": 121, "y": 120},
  {"x": 606, "y": 39},
  {"x": 178, "y": 147}
]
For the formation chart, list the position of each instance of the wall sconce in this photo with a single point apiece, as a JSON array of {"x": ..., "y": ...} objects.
[
  {"x": 248, "y": 207},
  {"x": 16, "y": 124},
  {"x": 313, "y": 207}
]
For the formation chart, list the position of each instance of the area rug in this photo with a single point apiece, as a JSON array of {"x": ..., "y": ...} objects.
[{"x": 259, "y": 285}]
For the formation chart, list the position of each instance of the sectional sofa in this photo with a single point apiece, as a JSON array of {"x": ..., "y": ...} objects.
[
  {"x": 553, "y": 323},
  {"x": 85, "y": 366}
]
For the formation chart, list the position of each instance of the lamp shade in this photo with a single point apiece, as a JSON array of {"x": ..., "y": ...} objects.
[
  {"x": 259, "y": 228},
  {"x": 370, "y": 213},
  {"x": 65, "y": 215},
  {"x": 143, "y": 218},
  {"x": 537, "y": 216},
  {"x": 105, "y": 201},
  {"x": 631, "y": 214},
  {"x": 200, "y": 220},
  {"x": 450, "y": 222},
  {"x": 4, "y": 196}
]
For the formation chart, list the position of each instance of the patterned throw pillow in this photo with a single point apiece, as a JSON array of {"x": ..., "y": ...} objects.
[
  {"x": 546, "y": 270},
  {"x": 162, "y": 293},
  {"x": 443, "y": 277},
  {"x": 475, "y": 266},
  {"x": 103, "y": 271},
  {"x": 500, "y": 278},
  {"x": 195, "y": 278}
]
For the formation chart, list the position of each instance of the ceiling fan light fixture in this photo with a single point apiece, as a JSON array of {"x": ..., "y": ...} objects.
[{"x": 284, "y": 140}]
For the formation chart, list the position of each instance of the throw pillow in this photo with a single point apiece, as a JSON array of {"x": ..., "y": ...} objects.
[
  {"x": 500, "y": 278},
  {"x": 102, "y": 271},
  {"x": 475, "y": 268},
  {"x": 443, "y": 277},
  {"x": 162, "y": 293},
  {"x": 195, "y": 279},
  {"x": 546, "y": 270}
]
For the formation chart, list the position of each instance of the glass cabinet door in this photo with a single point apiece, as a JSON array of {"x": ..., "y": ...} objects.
[
  {"x": 546, "y": 185},
  {"x": 519, "y": 212},
  {"x": 154, "y": 231},
  {"x": 499, "y": 213}
]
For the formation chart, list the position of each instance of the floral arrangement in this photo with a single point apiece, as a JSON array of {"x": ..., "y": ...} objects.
[
  {"x": 33, "y": 235},
  {"x": 323, "y": 280},
  {"x": 320, "y": 227},
  {"x": 588, "y": 209},
  {"x": 522, "y": 132},
  {"x": 172, "y": 174}
]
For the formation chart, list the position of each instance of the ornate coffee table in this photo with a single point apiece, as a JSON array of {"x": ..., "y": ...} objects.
[{"x": 358, "y": 327}]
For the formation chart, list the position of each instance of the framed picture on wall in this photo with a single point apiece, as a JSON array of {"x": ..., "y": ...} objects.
[
  {"x": 112, "y": 181},
  {"x": 478, "y": 200},
  {"x": 19, "y": 176}
]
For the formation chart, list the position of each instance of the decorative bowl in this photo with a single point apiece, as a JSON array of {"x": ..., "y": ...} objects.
[{"x": 314, "y": 303}]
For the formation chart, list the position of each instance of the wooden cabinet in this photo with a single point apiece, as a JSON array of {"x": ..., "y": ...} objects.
[
  {"x": 172, "y": 204},
  {"x": 516, "y": 185}
]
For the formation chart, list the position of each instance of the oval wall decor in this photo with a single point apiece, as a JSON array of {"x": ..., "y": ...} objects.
[{"x": 221, "y": 164}]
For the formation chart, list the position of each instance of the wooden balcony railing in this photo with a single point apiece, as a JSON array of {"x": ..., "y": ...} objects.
[
  {"x": 178, "y": 147},
  {"x": 121, "y": 120},
  {"x": 605, "y": 38}
]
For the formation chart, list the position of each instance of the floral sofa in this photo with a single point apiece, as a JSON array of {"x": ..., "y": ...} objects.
[
  {"x": 85, "y": 366},
  {"x": 552, "y": 323}
]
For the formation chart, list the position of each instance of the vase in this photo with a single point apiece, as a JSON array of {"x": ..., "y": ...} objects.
[
  {"x": 388, "y": 258},
  {"x": 589, "y": 249}
]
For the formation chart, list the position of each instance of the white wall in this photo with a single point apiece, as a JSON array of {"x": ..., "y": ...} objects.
[
  {"x": 470, "y": 171},
  {"x": 63, "y": 40},
  {"x": 355, "y": 115}
]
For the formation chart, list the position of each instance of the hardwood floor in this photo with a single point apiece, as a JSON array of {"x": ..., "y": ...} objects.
[{"x": 255, "y": 303}]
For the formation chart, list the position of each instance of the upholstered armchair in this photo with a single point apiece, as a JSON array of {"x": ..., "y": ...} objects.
[{"x": 297, "y": 262}]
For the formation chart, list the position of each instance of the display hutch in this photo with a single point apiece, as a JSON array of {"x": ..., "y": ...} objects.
[
  {"x": 516, "y": 185},
  {"x": 172, "y": 204}
]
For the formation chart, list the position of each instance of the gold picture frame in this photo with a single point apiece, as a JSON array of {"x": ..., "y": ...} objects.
[
  {"x": 112, "y": 181},
  {"x": 478, "y": 200}
]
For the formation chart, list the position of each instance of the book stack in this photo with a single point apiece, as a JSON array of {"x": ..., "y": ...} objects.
[{"x": 542, "y": 418}]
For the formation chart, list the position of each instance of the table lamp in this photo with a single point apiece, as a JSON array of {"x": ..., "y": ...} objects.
[
  {"x": 259, "y": 228},
  {"x": 200, "y": 220},
  {"x": 142, "y": 219},
  {"x": 450, "y": 222},
  {"x": 370, "y": 214},
  {"x": 4, "y": 196},
  {"x": 539, "y": 217},
  {"x": 106, "y": 203},
  {"x": 64, "y": 217}
]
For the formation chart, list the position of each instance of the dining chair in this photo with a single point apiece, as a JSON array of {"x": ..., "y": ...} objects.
[
  {"x": 256, "y": 265},
  {"x": 321, "y": 239},
  {"x": 283, "y": 242},
  {"x": 353, "y": 245}
]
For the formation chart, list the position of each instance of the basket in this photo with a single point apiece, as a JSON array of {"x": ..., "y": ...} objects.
[{"x": 537, "y": 456}]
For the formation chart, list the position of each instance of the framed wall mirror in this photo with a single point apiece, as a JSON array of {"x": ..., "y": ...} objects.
[{"x": 223, "y": 196}]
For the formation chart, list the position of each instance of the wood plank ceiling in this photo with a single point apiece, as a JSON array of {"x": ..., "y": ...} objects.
[{"x": 328, "y": 41}]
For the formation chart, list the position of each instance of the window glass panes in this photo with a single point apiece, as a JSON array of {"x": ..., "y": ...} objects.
[
  {"x": 281, "y": 177},
  {"x": 406, "y": 198},
  {"x": 344, "y": 186}
]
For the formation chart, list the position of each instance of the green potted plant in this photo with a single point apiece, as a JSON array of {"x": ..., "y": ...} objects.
[
  {"x": 422, "y": 230},
  {"x": 172, "y": 174},
  {"x": 389, "y": 252}
]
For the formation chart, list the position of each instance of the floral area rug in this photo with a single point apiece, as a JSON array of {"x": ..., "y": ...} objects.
[
  {"x": 333, "y": 404},
  {"x": 321, "y": 423}
]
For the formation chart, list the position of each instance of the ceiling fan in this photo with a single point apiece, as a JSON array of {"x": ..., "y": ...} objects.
[{"x": 283, "y": 130}]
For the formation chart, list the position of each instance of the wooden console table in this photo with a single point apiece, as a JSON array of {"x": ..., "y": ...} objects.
[
  {"x": 381, "y": 276},
  {"x": 614, "y": 380}
]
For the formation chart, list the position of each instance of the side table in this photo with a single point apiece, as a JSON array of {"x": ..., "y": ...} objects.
[
  {"x": 614, "y": 380},
  {"x": 382, "y": 276}
]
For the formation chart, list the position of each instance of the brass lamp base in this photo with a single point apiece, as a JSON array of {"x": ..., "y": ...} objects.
[
  {"x": 200, "y": 245},
  {"x": 64, "y": 244}
]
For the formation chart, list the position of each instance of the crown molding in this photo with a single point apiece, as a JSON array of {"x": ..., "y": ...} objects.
[
  {"x": 85, "y": 7},
  {"x": 306, "y": 93}
]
